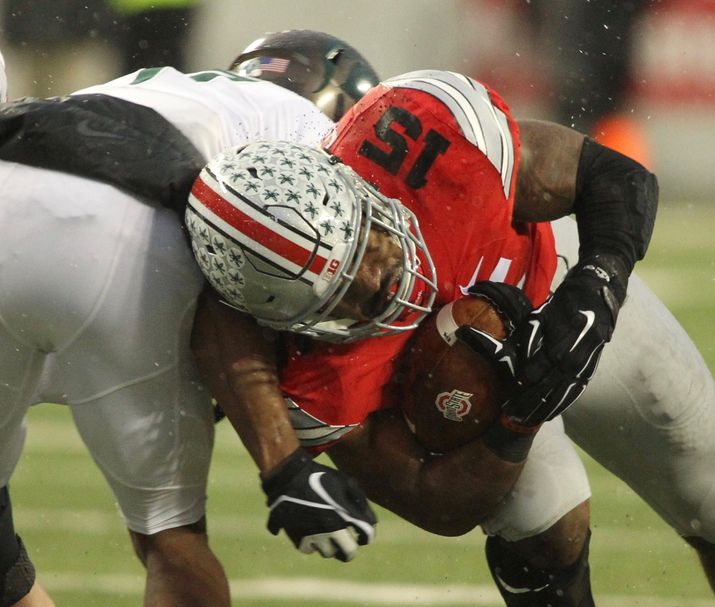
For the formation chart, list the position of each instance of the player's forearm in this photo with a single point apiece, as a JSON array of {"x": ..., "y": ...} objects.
[
  {"x": 257, "y": 411},
  {"x": 615, "y": 205},
  {"x": 462, "y": 488},
  {"x": 237, "y": 364},
  {"x": 445, "y": 494}
]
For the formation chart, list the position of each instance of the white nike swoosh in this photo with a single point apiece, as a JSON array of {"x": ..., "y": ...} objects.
[
  {"x": 498, "y": 346},
  {"x": 590, "y": 317},
  {"x": 507, "y": 361},
  {"x": 514, "y": 590},
  {"x": 314, "y": 481},
  {"x": 534, "y": 328},
  {"x": 317, "y": 486}
]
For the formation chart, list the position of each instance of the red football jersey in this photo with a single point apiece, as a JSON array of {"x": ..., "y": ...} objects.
[{"x": 447, "y": 147}]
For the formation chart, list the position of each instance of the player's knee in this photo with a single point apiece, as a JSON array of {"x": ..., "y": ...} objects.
[
  {"x": 522, "y": 584},
  {"x": 17, "y": 574},
  {"x": 171, "y": 547},
  {"x": 561, "y": 545}
]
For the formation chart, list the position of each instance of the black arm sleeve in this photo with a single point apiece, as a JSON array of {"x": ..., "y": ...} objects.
[
  {"x": 104, "y": 138},
  {"x": 615, "y": 206}
]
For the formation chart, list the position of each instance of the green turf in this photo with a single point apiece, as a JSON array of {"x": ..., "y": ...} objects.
[{"x": 70, "y": 524}]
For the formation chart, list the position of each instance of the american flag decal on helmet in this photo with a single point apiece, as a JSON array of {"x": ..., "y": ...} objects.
[{"x": 273, "y": 64}]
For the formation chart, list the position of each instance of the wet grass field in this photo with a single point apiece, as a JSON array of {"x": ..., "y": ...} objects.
[{"x": 76, "y": 538}]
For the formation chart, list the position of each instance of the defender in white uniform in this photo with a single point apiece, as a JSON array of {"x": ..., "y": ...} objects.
[
  {"x": 98, "y": 289},
  {"x": 648, "y": 414}
]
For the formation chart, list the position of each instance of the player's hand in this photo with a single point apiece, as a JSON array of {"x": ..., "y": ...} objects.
[
  {"x": 513, "y": 307},
  {"x": 319, "y": 508},
  {"x": 559, "y": 344}
]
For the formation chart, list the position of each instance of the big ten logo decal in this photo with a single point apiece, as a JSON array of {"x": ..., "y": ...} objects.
[
  {"x": 332, "y": 267},
  {"x": 431, "y": 146}
]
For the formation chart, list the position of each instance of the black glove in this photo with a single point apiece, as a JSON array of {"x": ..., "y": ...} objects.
[
  {"x": 513, "y": 307},
  {"x": 507, "y": 438},
  {"x": 319, "y": 507},
  {"x": 560, "y": 343}
]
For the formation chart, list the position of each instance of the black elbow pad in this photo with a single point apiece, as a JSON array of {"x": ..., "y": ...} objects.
[{"x": 616, "y": 203}]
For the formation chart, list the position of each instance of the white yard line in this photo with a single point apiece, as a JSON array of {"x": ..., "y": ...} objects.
[
  {"x": 102, "y": 522},
  {"x": 322, "y": 590}
]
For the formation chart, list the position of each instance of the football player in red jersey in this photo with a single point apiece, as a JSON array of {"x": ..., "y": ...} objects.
[
  {"x": 411, "y": 137},
  {"x": 334, "y": 387}
]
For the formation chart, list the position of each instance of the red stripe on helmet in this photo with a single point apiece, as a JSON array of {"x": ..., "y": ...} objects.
[{"x": 256, "y": 231}]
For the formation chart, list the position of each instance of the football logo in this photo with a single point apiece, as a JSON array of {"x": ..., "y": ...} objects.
[{"x": 454, "y": 405}]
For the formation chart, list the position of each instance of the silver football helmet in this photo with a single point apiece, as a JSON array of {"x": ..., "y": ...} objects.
[{"x": 280, "y": 230}]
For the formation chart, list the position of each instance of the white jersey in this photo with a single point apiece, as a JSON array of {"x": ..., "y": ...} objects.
[
  {"x": 98, "y": 291},
  {"x": 216, "y": 109}
]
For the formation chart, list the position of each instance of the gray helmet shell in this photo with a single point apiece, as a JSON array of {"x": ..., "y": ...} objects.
[{"x": 320, "y": 67}]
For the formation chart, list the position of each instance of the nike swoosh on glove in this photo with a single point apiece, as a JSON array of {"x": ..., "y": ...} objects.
[
  {"x": 320, "y": 508},
  {"x": 560, "y": 343}
]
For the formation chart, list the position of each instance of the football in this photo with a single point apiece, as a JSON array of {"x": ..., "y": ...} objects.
[{"x": 449, "y": 393}]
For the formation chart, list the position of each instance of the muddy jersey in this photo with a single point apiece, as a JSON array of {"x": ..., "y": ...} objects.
[{"x": 447, "y": 147}]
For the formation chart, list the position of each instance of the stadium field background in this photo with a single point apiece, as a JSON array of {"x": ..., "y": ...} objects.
[{"x": 76, "y": 538}]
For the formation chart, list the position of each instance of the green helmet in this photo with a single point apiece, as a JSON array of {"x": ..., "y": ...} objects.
[{"x": 317, "y": 66}]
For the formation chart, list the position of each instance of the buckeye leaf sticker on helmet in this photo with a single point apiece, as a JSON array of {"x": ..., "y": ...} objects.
[{"x": 270, "y": 226}]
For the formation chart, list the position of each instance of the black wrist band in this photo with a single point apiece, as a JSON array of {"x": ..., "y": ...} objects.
[
  {"x": 286, "y": 470},
  {"x": 508, "y": 444},
  {"x": 609, "y": 268}
]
